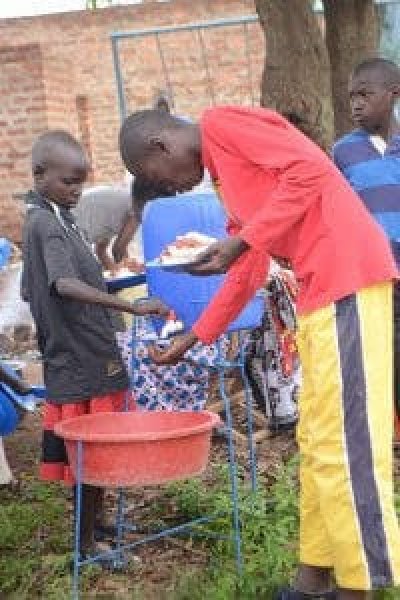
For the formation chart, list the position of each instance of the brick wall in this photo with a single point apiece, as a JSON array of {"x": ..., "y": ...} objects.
[
  {"x": 57, "y": 71},
  {"x": 60, "y": 90},
  {"x": 22, "y": 118}
]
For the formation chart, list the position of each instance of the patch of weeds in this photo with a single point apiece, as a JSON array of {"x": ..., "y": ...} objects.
[
  {"x": 32, "y": 522},
  {"x": 35, "y": 542},
  {"x": 269, "y": 539},
  {"x": 269, "y": 529},
  {"x": 393, "y": 594}
]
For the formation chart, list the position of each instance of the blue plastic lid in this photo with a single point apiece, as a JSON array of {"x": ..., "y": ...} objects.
[{"x": 5, "y": 252}]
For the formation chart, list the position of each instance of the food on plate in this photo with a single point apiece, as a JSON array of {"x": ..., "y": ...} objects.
[
  {"x": 186, "y": 248},
  {"x": 133, "y": 265},
  {"x": 172, "y": 326},
  {"x": 128, "y": 266}
]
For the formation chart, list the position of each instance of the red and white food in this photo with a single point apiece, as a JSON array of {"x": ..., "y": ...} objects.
[
  {"x": 172, "y": 326},
  {"x": 186, "y": 248},
  {"x": 127, "y": 267}
]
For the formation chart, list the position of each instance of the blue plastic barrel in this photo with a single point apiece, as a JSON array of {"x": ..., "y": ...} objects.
[{"x": 166, "y": 218}]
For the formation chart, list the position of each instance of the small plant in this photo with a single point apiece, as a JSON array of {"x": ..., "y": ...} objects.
[
  {"x": 269, "y": 529},
  {"x": 35, "y": 543},
  {"x": 269, "y": 539}
]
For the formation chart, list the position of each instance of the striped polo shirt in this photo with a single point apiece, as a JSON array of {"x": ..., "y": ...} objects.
[{"x": 373, "y": 171}]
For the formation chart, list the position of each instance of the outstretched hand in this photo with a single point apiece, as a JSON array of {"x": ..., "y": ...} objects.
[
  {"x": 173, "y": 353},
  {"x": 218, "y": 257},
  {"x": 151, "y": 306}
]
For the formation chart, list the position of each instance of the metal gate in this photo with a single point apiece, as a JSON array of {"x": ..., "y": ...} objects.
[{"x": 249, "y": 76}]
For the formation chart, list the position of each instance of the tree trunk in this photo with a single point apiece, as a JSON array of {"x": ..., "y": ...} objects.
[
  {"x": 351, "y": 36},
  {"x": 296, "y": 78}
]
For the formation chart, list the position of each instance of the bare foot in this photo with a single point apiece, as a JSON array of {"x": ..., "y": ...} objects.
[{"x": 313, "y": 580}]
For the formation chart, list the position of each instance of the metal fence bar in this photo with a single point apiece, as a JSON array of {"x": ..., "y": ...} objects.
[
  {"x": 248, "y": 59},
  {"x": 165, "y": 69},
  {"x": 184, "y": 27},
  {"x": 205, "y": 63},
  {"x": 198, "y": 27},
  {"x": 118, "y": 79}
]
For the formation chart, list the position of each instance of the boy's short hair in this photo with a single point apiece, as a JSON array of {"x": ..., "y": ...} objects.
[
  {"x": 43, "y": 147},
  {"x": 389, "y": 70},
  {"x": 142, "y": 192},
  {"x": 139, "y": 128},
  {"x": 161, "y": 102}
]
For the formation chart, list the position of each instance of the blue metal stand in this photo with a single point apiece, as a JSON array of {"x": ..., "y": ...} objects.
[
  {"x": 118, "y": 554},
  {"x": 78, "y": 518},
  {"x": 232, "y": 469}
]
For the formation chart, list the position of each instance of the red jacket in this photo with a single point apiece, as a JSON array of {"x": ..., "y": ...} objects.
[{"x": 286, "y": 198}]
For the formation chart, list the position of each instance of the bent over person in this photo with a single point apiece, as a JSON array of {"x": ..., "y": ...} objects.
[{"x": 285, "y": 198}]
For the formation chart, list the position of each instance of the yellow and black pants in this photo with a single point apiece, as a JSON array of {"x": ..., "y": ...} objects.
[{"x": 345, "y": 433}]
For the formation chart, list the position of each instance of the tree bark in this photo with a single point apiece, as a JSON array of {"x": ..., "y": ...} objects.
[
  {"x": 296, "y": 78},
  {"x": 352, "y": 34}
]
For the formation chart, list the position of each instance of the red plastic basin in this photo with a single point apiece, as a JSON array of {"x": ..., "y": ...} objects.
[{"x": 139, "y": 448}]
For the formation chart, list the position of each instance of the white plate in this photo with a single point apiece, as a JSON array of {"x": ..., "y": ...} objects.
[{"x": 171, "y": 265}]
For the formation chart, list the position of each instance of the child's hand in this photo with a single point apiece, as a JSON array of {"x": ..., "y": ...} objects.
[
  {"x": 152, "y": 306},
  {"x": 175, "y": 351}
]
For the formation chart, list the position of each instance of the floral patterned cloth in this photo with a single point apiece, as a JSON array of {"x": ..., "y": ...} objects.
[
  {"x": 178, "y": 387},
  {"x": 271, "y": 360}
]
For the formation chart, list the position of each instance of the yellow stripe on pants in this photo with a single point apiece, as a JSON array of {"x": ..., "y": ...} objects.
[{"x": 347, "y": 517}]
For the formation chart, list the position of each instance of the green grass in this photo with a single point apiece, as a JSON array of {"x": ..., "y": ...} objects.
[
  {"x": 35, "y": 543},
  {"x": 269, "y": 539}
]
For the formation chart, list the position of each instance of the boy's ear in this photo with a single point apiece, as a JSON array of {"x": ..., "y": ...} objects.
[
  {"x": 158, "y": 143},
  {"x": 395, "y": 90}
]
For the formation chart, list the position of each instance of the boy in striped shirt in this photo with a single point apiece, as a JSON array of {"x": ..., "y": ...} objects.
[{"x": 369, "y": 158}]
